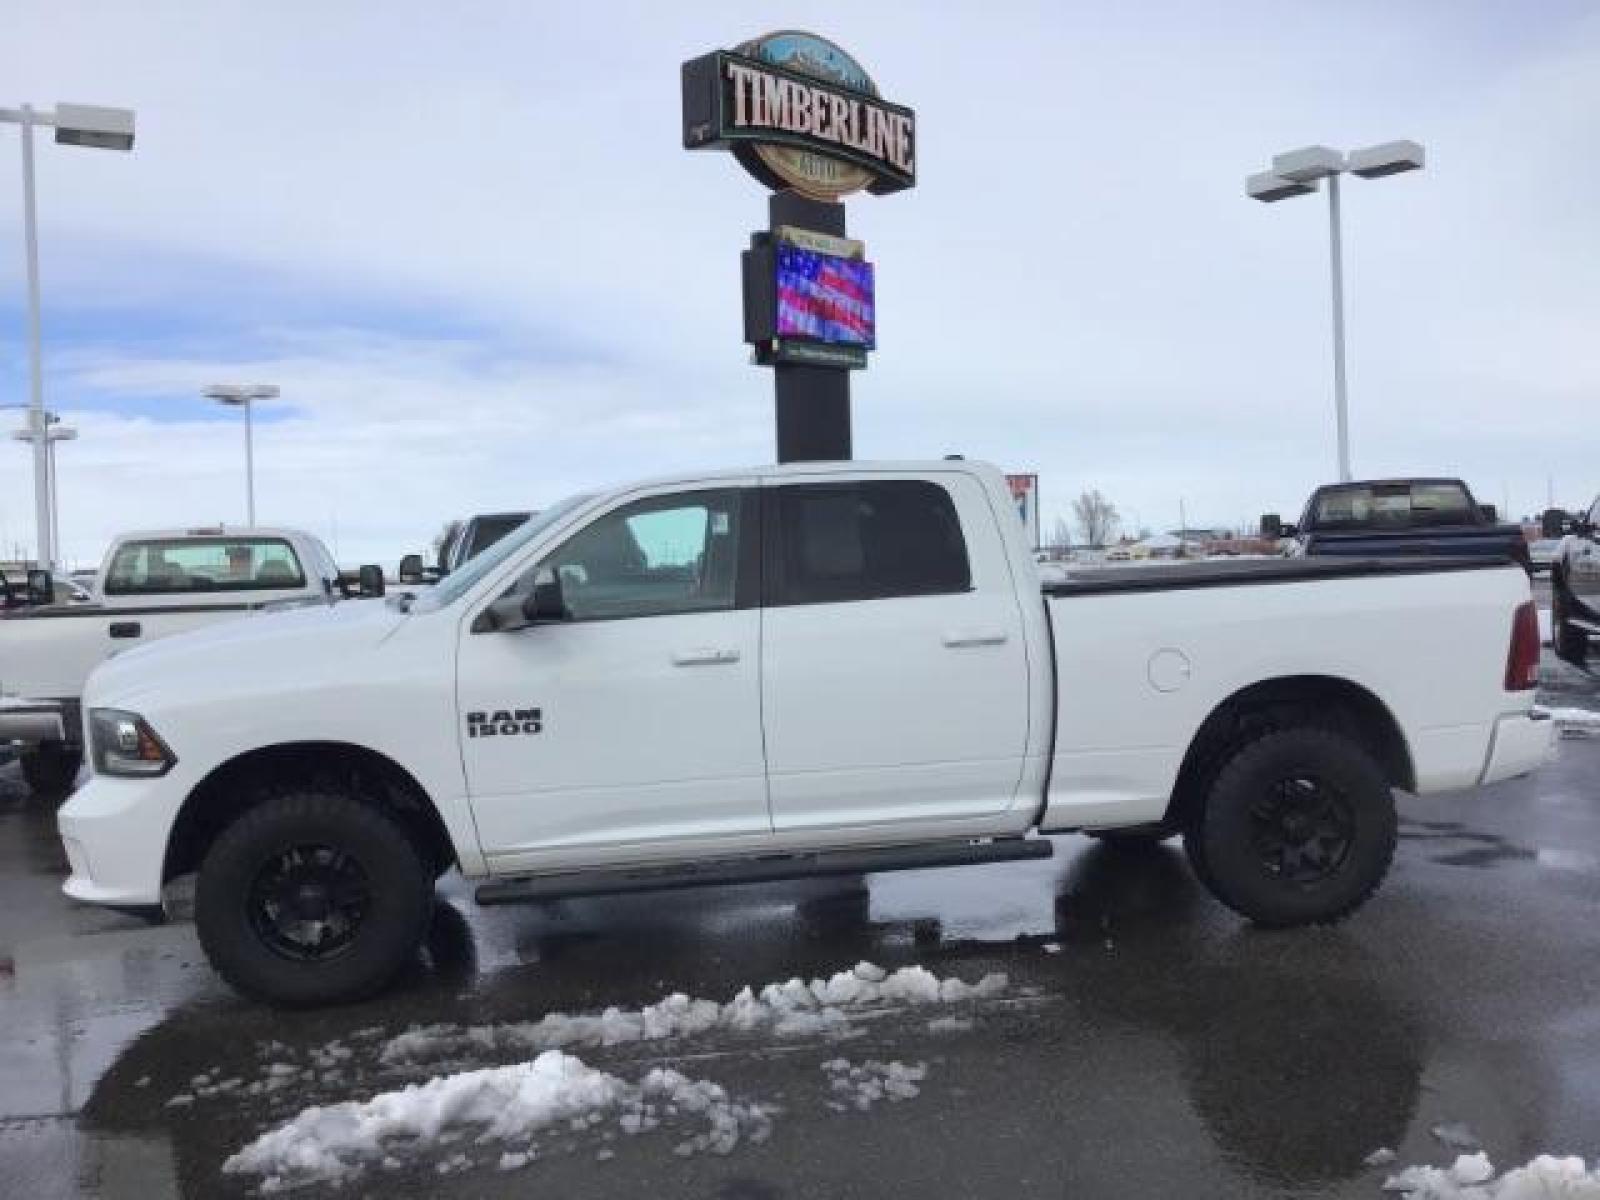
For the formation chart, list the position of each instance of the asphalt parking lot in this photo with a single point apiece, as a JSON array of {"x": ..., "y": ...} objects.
[{"x": 1145, "y": 1042}]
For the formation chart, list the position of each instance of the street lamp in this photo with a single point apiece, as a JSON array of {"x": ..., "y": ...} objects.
[
  {"x": 55, "y": 432},
  {"x": 241, "y": 395},
  {"x": 75, "y": 125},
  {"x": 1301, "y": 172}
]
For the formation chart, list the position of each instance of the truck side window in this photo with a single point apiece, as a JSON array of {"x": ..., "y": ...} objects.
[
  {"x": 865, "y": 541},
  {"x": 654, "y": 557}
]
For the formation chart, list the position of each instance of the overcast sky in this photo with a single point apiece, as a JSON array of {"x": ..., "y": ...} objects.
[{"x": 465, "y": 241}]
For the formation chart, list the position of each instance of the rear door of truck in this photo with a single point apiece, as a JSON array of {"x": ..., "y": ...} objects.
[{"x": 895, "y": 685}]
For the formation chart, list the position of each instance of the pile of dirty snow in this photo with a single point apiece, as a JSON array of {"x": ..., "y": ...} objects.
[
  {"x": 1472, "y": 1177},
  {"x": 504, "y": 1107},
  {"x": 860, "y": 1087},
  {"x": 795, "y": 1008},
  {"x": 498, "y": 1106}
]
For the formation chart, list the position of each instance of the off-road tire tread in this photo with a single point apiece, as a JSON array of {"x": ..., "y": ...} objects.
[
  {"x": 1231, "y": 777},
  {"x": 403, "y": 887},
  {"x": 50, "y": 770}
]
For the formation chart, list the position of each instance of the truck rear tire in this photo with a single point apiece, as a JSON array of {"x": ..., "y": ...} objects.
[
  {"x": 1570, "y": 643},
  {"x": 51, "y": 769},
  {"x": 1299, "y": 828},
  {"x": 312, "y": 897}
]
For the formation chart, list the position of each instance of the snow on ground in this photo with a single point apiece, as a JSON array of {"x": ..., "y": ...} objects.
[
  {"x": 795, "y": 1008},
  {"x": 1562, "y": 682},
  {"x": 1472, "y": 1177},
  {"x": 860, "y": 1087},
  {"x": 1574, "y": 722},
  {"x": 503, "y": 1107}
]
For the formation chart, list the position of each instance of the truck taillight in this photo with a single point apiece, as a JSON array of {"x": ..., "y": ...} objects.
[{"x": 1522, "y": 662}]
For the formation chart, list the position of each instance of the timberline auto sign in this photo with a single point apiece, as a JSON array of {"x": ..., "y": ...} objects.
[{"x": 799, "y": 113}]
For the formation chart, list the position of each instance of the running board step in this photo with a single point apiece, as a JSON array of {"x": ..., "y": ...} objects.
[{"x": 762, "y": 870}]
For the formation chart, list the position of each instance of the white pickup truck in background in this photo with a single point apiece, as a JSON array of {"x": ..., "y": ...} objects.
[
  {"x": 809, "y": 669},
  {"x": 150, "y": 585}
]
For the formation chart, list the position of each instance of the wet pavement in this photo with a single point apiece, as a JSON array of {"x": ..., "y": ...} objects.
[{"x": 1149, "y": 1044}]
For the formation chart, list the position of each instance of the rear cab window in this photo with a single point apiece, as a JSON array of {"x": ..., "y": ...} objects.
[
  {"x": 1401, "y": 505},
  {"x": 172, "y": 566},
  {"x": 867, "y": 540}
]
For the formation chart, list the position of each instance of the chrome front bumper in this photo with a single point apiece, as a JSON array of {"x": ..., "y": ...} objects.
[{"x": 35, "y": 721}]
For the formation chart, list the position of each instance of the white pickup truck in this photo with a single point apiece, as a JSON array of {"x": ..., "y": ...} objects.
[
  {"x": 150, "y": 585},
  {"x": 809, "y": 669}
]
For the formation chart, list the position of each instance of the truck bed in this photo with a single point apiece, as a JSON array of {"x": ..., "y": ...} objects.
[{"x": 1145, "y": 655}]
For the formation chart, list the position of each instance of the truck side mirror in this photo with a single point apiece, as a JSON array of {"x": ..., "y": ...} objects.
[
  {"x": 41, "y": 587},
  {"x": 1272, "y": 526},
  {"x": 543, "y": 605},
  {"x": 1553, "y": 523},
  {"x": 1489, "y": 513},
  {"x": 545, "y": 602},
  {"x": 370, "y": 578},
  {"x": 410, "y": 569}
]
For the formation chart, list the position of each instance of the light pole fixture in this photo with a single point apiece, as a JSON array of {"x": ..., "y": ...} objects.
[
  {"x": 243, "y": 395},
  {"x": 1301, "y": 172},
  {"x": 54, "y": 432},
  {"x": 75, "y": 125}
]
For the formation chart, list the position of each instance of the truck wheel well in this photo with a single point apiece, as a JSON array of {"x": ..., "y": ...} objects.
[
  {"x": 243, "y": 782},
  {"x": 1322, "y": 701}
]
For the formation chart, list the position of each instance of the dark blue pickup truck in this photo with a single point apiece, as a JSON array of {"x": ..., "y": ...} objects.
[
  {"x": 1575, "y": 580},
  {"x": 1390, "y": 518}
]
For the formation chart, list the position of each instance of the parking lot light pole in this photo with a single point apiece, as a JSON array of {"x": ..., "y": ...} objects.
[
  {"x": 75, "y": 125},
  {"x": 56, "y": 432},
  {"x": 242, "y": 395},
  {"x": 1301, "y": 172}
]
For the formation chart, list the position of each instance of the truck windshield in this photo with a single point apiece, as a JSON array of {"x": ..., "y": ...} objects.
[
  {"x": 1392, "y": 505},
  {"x": 460, "y": 581}
]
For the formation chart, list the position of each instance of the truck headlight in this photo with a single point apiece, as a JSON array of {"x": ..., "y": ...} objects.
[{"x": 123, "y": 743}]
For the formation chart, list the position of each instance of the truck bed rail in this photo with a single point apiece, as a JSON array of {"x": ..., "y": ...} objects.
[{"x": 1243, "y": 572}]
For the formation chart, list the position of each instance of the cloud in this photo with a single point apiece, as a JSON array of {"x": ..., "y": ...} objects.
[{"x": 471, "y": 251}]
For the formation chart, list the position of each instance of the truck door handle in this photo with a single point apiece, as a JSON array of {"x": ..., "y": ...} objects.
[
  {"x": 704, "y": 656},
  {"x": 957, "y": 638},
  {"x": 125, "y": 629}
]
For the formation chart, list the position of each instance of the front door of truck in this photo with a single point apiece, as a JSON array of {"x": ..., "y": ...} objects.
[
  {"x": 894, "y": 671},
  {"x": 635, "y": 722}
]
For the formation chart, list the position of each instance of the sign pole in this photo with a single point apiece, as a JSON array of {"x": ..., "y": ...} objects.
[
  {"x": 812, "y": 402},
  {"x": 804, "y": 118}
]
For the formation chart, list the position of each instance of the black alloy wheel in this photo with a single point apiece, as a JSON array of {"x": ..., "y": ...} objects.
[
  {"x": 1303, "y": 829},
  {"x": 308, "y": 902}
]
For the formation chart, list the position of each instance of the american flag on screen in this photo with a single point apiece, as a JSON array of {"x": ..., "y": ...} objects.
[{"x": 825, "y": 298}]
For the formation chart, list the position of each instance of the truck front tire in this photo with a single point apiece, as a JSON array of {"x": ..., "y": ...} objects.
[
  {"x": 50, "y": 769},
  {"x": 312, "y": 897},
  {"x": 1299, "y": 828}
]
